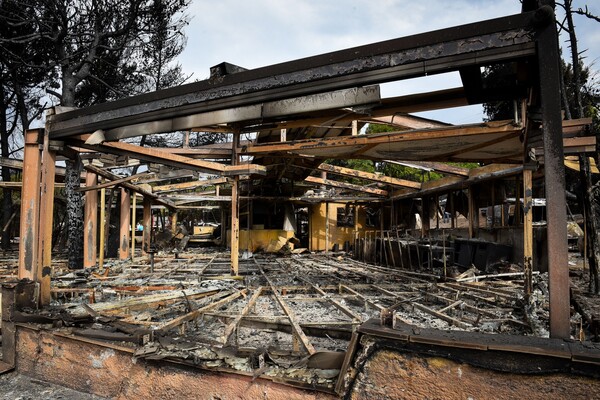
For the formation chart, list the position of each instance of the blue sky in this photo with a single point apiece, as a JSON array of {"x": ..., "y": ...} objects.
[{"x": 262, "y": 32}]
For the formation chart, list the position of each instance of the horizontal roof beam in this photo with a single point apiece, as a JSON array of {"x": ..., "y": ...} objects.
[
  {"x": 177, "y": 187},
  {"x": 367, "y": 141},
  {"x": 476, "y": 175},
  {"x": 348, "y": 186},
  {"x": 496, "y": 40},
  {"x": 353, "y": 173},
  {"x": 258, "y": 112},
  {"x": 157, "y": 155}
]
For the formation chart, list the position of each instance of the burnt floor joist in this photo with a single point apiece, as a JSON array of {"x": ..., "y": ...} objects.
[{"x": 288, "y": 319}]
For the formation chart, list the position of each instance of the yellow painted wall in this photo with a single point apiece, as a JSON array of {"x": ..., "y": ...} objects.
[
  {"x": 268, "y": 240},
  {"x": 336, "y": 234},
  {"x": 204, "y": 230}
]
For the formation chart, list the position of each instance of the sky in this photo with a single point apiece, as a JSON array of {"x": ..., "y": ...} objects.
[{"x": 257, "y": 33}]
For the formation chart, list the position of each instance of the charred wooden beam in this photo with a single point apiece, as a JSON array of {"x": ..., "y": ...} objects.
[
  {"x": 434, "y": 52},
  {"x": 197, "y": 313},
  {"x": 476, "y": 175},
  {"x": 156, "y": 155},
  {"x": 345, "y": 185},
  {"x": 128, "y": 185},
  {"x": 358, "y": 144},
  {"x": 176, "y": 187},
  {"x": 111, "y": 182},
  {"x": 369, "y": 176}
]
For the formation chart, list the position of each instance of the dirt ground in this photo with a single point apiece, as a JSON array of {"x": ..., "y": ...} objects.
[{"x": 14, "y": 386}]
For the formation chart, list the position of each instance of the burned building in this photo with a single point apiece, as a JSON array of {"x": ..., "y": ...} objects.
[{"x": 322, "y": 287}]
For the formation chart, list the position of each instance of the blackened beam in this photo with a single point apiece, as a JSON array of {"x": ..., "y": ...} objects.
[
  {"x": 389, "y": 108},
  {"x": 115, "y": 182},
  {"x": 156, "y": 155},
  {"x": 348, "y": 186},
  {"x": 18, "y": 164},
  {"x": 365, "y": 96},
  {"x": 299, "y": 146},
  {"x": 128, "y": 185},
  {"x": 440, "y": 167},
  {"x": 349, "y": 172},
  {"x": 480, "y": 43},
  {"x": 477, "y": 175},
  {"x": 177, "y": 187},
  {"x": 554, "y": 174}
]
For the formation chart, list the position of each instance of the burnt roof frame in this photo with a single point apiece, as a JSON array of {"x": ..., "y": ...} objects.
[{"x": 445, "y": 50}]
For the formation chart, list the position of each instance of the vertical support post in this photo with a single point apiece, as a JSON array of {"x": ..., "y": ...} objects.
[
  {"x": 235, "y": 208},
  {"x": 527, "y": 230},
  {"x": 223, "y": 226},
  {"x": 355, "y": 220},
  {"x": 437, "y": 211},
  {"x": 472, "y": 210},
  {"x": 90, "y": 222},
  {"x": 174, "y": 218},
  {"x": 46, "y": 218},
  {"x": 235, "y": 226},
  {"x": 327, "y": 227},
  {"x": 133, "y": 224},
  {"x": 452, "y": 211},
  {"x": 124, "y": 225},
  {"x": 283, "y": 137},
  {"x": 147, "y": 225},
  {"x": 554, "y": 173},
  {"x": 354, "y": 127},
  {"x": 102, "y": 227},
  {"x": 493, "y": 188},
  {"x": 517, "y": 210},
  {"x": 425, "y": 217},
  {"x": 186, "y": 139},
  {"x": 30, "y": 207}
]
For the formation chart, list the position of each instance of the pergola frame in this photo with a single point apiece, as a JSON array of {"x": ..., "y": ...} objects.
[{"x": 224, "y": 98}]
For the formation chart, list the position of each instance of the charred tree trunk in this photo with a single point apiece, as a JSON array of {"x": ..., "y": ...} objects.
[
  {"x": 7, "y": 203},
  {"x": 594, "y": 196},
  {"x": 74, "y": 214}
]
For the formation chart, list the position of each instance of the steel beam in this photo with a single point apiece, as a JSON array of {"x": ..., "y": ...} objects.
[
  {"x": 90, "y": 223},
  {"x": 30, "y": 207},
  {"x": 554, "y": 171}
]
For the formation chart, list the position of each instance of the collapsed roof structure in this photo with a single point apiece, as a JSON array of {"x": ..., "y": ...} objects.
[{"x": 301, "y": 114}]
